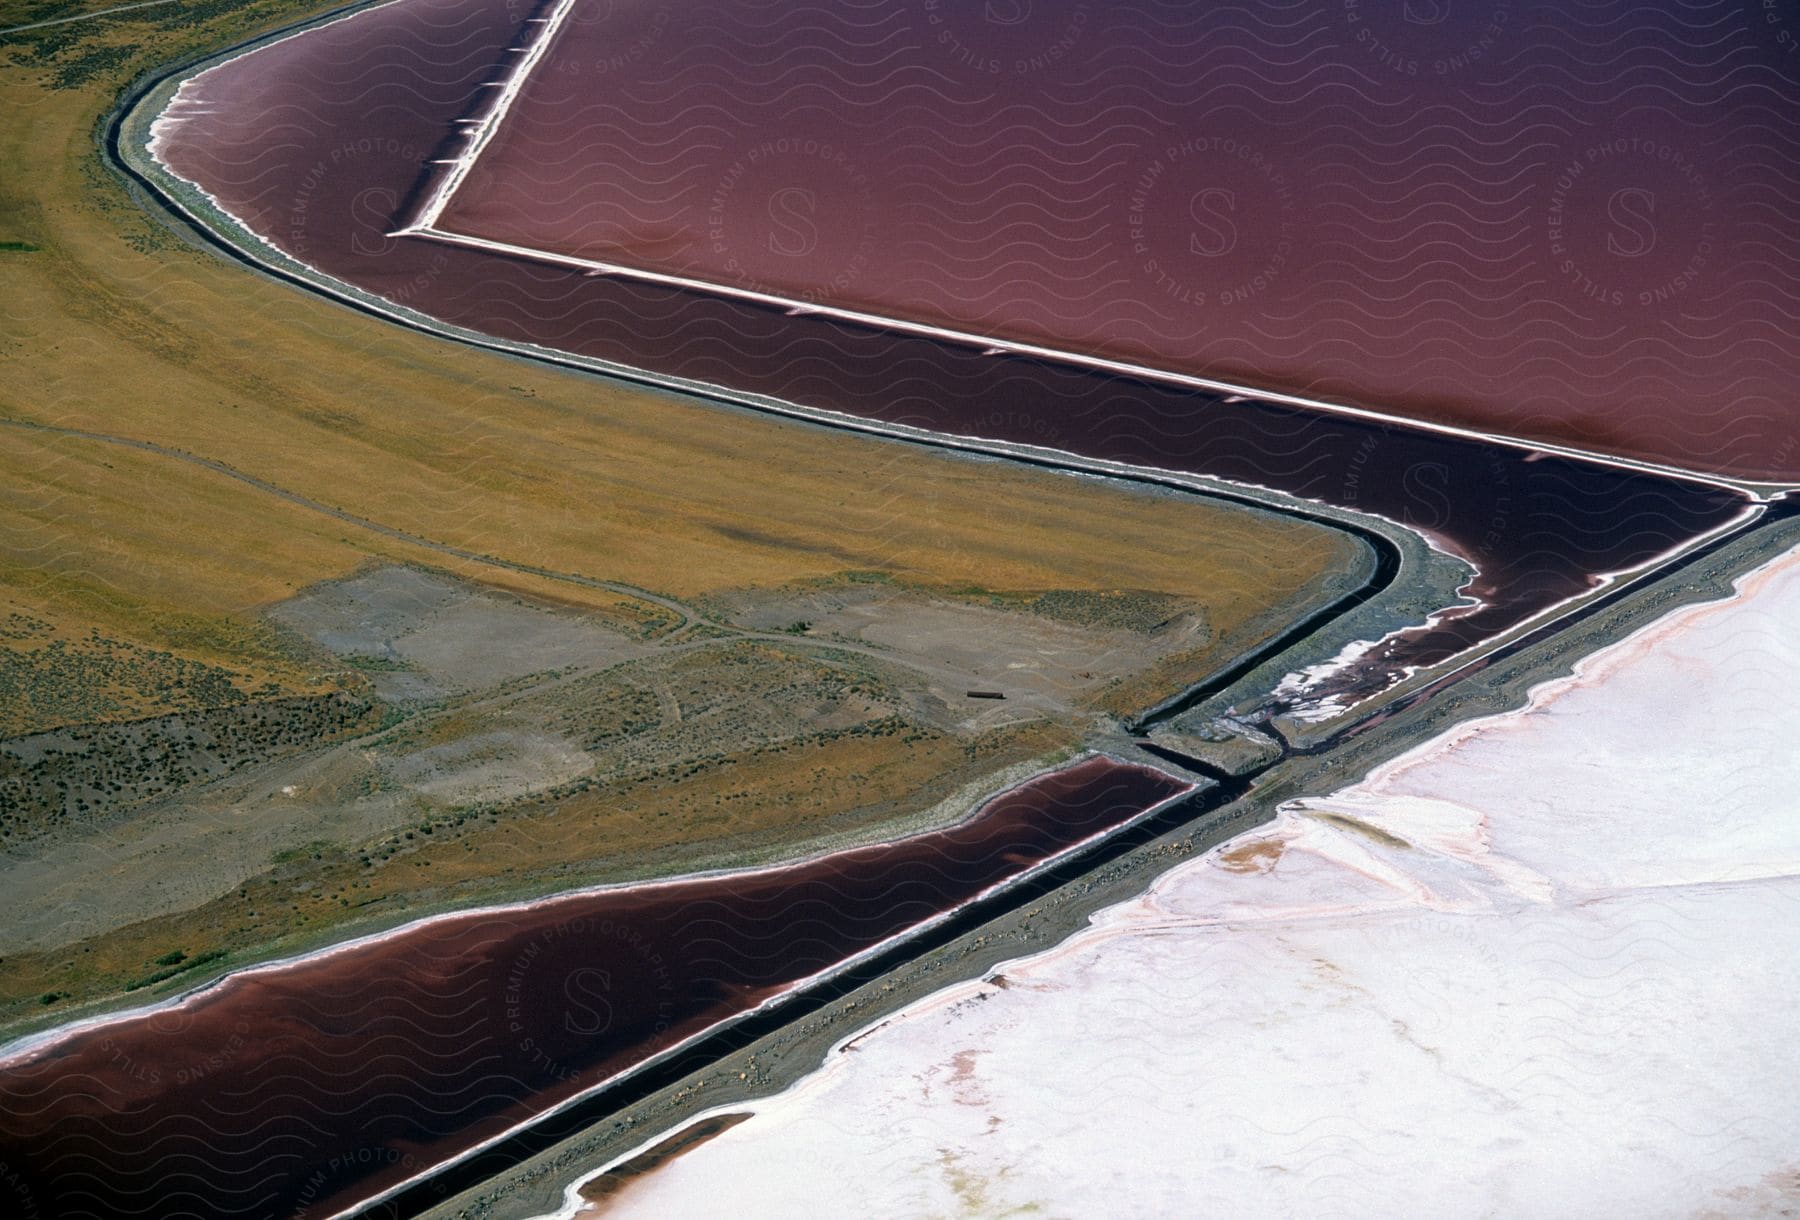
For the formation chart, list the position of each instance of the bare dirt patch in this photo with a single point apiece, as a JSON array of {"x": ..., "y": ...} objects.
[
  {"x": 421, "y": 635},
  {"x": 490, "y": 766},
  {"x": 1048, "y": 652}
]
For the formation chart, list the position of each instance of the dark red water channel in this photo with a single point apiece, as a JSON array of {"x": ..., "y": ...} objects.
[
  {"x": 1556, "y": 221},
  {"x": 301, "y": 1089},
  {"x": 324, "y": 141},
  {"x": 1564, "y": 224}
]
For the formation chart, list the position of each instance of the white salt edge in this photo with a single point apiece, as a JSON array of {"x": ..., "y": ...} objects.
[{"x": 1538, "y": 966}]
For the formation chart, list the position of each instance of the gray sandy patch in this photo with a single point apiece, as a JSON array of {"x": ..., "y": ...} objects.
[
  {"x": 481, "y": 641},
  {"x": 1009, "y": 650},
  {"x": 421, "y": 636},
  {"x": 362, "y": 615},
  {"x": 490, "y": 767},
  {"x": 181, "y": 854}
]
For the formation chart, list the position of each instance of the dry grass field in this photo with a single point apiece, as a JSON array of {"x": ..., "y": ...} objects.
[{"x": 184, "y": 445}]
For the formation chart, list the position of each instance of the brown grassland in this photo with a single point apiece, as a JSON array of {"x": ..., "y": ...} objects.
[{"x": 132, "y": 579}]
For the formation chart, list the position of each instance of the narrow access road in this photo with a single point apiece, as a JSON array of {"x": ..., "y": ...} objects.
[{"x": 105, "y": 12}]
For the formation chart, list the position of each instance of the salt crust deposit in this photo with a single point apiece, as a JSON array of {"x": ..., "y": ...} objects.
[{"x": 1544, "y": 965}]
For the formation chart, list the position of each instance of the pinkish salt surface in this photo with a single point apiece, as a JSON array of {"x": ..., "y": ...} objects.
[{"x": 1543, "y": 965}]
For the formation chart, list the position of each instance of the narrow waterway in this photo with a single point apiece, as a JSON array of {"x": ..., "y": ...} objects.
[{"x": 302, "y": 1089}]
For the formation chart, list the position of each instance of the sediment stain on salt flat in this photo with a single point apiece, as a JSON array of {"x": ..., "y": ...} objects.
[
  {"x": 1558, "y": 981},
  {"x": 304, "y": 1088}
]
